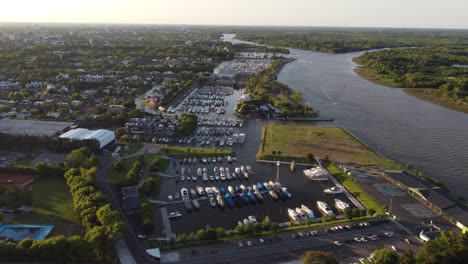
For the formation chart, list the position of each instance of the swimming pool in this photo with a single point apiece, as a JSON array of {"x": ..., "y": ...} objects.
[{"x": 20, "y": 232}]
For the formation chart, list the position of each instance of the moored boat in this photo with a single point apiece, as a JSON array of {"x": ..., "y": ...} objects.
[
  {"x": 323, "y": 207},
  {"x": 273, "y": 194},
  {"x": 309, "y": 212},
  {"x": 184, "y": 194},
  {"x": 220, "y": 201},
  {"x": 316, "y": 173},
  {"x": 293, "y": 215},
  {"x": 333, "y": 190},
  {"x": 286, "y": 192},
  {"x": 341, "y": 205},
  {"x": 188, "y": 205},
  {"x": 213, "y": 202},
  {"x": 301, "y": 213},
  {"x": 196, "y": 204}
]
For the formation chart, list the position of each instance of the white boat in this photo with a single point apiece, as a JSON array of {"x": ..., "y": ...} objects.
[
  {"x": 309, "y": 212},
  {"x": 196, "y": 204},
  {"x": 182, "y": 178},
  {"x": 241, "y": 138},
  {"x": 243, "y": 188},
  {"x": 174, "y": 214},
  {"x": 322, "y": 206},
  {"x": 220, "y": 201},
  {"x": 211, "y": 177},
  {"x": 272, "y": 184},
  {"x": 228, "y": 176},
  {"x": 199, "y": 172},
  {"x": 205, "y": 177},
  {"x": 231, "y": 190},
  {"x": 258, "y": 195},
  {"x": 184, "y": 193},
  {"x": 341, "y": 205},
  {"x": 246, "y": 175},
  {"x": 200, "y": 191},
  {"x": 242, "y": 168},
  {"x": 229, "y": 158},
  {"x": 239, "y": 223},
  {"x": 333, "y": 190},
  {"x": 209, "y": 191},
  {"x": 246, "y": 221},
  {"x": 301, "y": 213},
  {"x": 286, "y": 192},
  {"x": 216, "y": 177},
  {"x": 194, "y": 178},
  {"x": 237, "y": 170},
  {"x": 316, "y": 173},
  {"x": 252, "y": 219},
  {"x": 273, "y": 194},
  {"x": 213, "y": 202},
  {"x": 215, "y": 190},
  {"x": 255, "y": 188},
  {"x": 267, "y": 186},
  {"x": 249, "y": 169},
  {"x": 182, "y": 171},
  {"x": 293, "y": 215},
  {"x": 227, "y": 172}
]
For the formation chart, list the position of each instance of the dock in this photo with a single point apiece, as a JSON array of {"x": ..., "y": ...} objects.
[
  {"x": 308, "y": 119},
  {"x": 283, "y": 162},
  {"x": 167, "y": 224}
]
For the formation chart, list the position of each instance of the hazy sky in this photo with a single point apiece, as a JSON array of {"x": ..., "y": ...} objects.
[{"x": 366, "y": 13}]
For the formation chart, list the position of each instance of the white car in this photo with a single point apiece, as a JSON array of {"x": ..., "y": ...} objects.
[
  {"x": 249, "y": 243},
  {"x": 141, "y": 236},
  {"x": 389, "y": 234},
  {"x": 363, "y": 239},
  {"x": 261, "y": 240},
  {"x": 240, "y": 244},
  {"x": 337, "y": 243},
  {"x": 170, "y": 198},
  {"x": 357, "y": 239},
  {"x": 393, "y": 247}
]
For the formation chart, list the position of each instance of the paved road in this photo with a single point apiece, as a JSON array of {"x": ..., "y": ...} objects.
[
  {"x": 138, "y": 252},
  {"x": 289, "y": 249}
]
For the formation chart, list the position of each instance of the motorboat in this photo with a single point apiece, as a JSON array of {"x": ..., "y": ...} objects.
[
  {"x": 286, "y": 192},
  {"x": 220, "y": 159},
  {"x": 251, "y": 197},
  {"x": 341, "y": 205},
  {"x": 229, "y": 159},
  {"x": 260, "y": 186},
  {"x": 252, "y": 219},
  {"x": 249, "y": 169},
  {"x": 267, "y": 186},
  {"x": 174, "y": 214},
  {"x": 258, "y": 195},
  {"x": 239, "y": 223},
  {"x": 316, "y": 173},
  {"x": 323, "y": 207},
  {"x": 246, "y": 221},
  {"x": 215, "y": 170},
  {"x": 241, "y": 138},
  {"x": 216, "y": 176},
  {"x": 278, "y": 185},
  {"x": 200, "y": 191},
  {"x": 255, "y": 188},
  {"x": 213, "y": 202},
  {"x": 215, "y": 190},
  {"x": 238, "y": 189},
  {"x": 272, "y": 184},
  {"x": 242, "y": 168},
  {"x": 194, "y": 178},
  {"x": 211, "y": 177},
  {"x": 213, "y": 159},
  {"x": 244, "y": 198},
  {"x": 196, "y": 204},
  {"x": 184, "y": 193},
  {"x": 220, "y": 201},
  {"x": 237, "y": 170},
  {"x": 205, "y": 177},
  {"x": 182, "y": 171},
  {"x": 229, "y": 200},
  {"x": 246, "y": 175},
  {"x": 309, "y": 212},
  {"x": 281, "y": 194},
  {"x": 293, "y": 215},
  {"x": 222, "y": 191},
  {"x": 231, "y": 190},
  {"x": 301, "y": 213},
  {"x": 199, "y": 172},
  {"x": 209, "y": 191},
  {"x": 193, "y": 193},
  {"x": 233, "y": 175},
  {"x": 188, "y": 205},
  {"x": 182, "y": 178},
  {"x": 273, "y": 194},
  {"x": 333, "y": 190},
  {"x": 228, "y": 176},
  {"x": 227, "y": 172}
]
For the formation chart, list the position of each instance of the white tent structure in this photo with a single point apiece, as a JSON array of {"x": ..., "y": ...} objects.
[{"x": 104, "y": 137}]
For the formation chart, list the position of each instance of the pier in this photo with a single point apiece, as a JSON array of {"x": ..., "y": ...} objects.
[
  {"x": 283, "y": 162},
  {"x": 308, "y": 119}
]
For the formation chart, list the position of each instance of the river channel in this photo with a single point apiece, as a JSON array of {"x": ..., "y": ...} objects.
[{"x": 432, "y": 138}]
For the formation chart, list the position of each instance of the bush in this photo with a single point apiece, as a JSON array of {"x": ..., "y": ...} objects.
[{"x": 371, "y": 211}]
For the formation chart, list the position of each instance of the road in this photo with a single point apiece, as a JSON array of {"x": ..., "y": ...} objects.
[
  {"x": 138, "y": 252},
  {"x": 272, "y": 252}
]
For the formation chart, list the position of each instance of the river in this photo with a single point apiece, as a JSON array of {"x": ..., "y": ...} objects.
[{"x": 432, "y": 138}]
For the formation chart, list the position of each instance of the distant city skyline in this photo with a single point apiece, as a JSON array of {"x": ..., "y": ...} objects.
[{"x": 332, "y": 13}]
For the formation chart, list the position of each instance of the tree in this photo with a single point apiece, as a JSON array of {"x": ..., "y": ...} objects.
[
  {"x": 385, "y": 256},
  {"x": 347, "y": 213},
  {"x": 407, "y": 258},
  {"x": 371, "y": 211},
  {"x": 319, "y": 257},
  {"x": 220, "y": 232},
  {"x": 310, "y": 157},
  {"x": 447, "y": 248},
  {"x": 1, "y": 217},
  {"x": 355, "y": 212}
]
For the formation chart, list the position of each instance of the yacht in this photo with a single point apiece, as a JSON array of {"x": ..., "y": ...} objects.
[
  {"x": 246, "y": 175},
  {"x": 213, "y": 202},
  {"x": 205, "y": 177},
  {"x": 188, "y": 205},
  {"x": 199, "y": 172},
  {"x": 231, "y": 190},
  {"x": 252, "y": 219},
  {"x": 220, "y": 201},
  {"x": 184, "y": 193},
  {"x": 193, "y": 193},
  {"x": 301, "y": 213},
  {"x": 293, "y": 215},
  {"x": 333, "y": 190},
  {"x": 322, "y": 206},
  {"x": 196, "y": 204},
  {"x": 273, "y": 194},
  {"x": 174, "y": 214},
  {"x": 309, "y": 212},
  {"x": 241, "y": 138},
  {"x": 258, "y": 195},
  {"x": 341, "y": 205},
  {"x": 316, "y": 173}
]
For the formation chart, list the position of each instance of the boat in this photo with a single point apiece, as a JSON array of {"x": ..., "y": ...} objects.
[
  {"x": 220, "y": 159},
  {"x": 333, "y": 190},
  {"x": 229, "y": 159},
  {"x": 231, "y": 190},
  {"x": 238, "y": 189},
  {"x": 322, "y": 206},
  {"x": 196, "y": 204},
  {"x": 228, "y": 176},
  {"x": 174, "y": 214},
  {"x": 227, "y": 172},
  {"x": 184, "y": 193},
  {"x": 272, "y": 184},
  {"x": 242, "y": 168},
  {"x": 222, "y": 191},
  {"x": 204, "y": 160},
  {"x": 255, "y": 188},
  {"x": 211, "y": 177},
  {"x": 189, "y": 160},
  {"x": 188, "y": 205},
  {"x": 213, "y": 202},
  {"x": 233, "y": 175},
  {"x": 281, "y": 194},
  {"x": 293, "y": 215},
  {"x": 222, "y": 177},
  {"x": 258, "y": 195},
  {"x": 246, "y": 221},
  {"x": 241, "y": 138},
  {"x": 251, "y": 197},
  {"x": 215, "y": 190},
  {"x": 273, "y": 194},
  {"x": 278, "y": 185},
  {"x": 194, "y": 178},
  {"x": 182, "y": 171},
  {"x": 216, "y": 176},
  {"x": 309, "y": 212},
  {"x": 194, "y": 160},
  {"x": 205, "y": 177},
  {"x": 252, "y": 219},
  {"x": 260, "y": 186},
  {"x": 292, "y": 166},
  {"x": 239, "y": 223},
  {"x": 301, "y": 213},
  {"x": 199, "y": 172},
  {"x": 246, "y": 175},
  {"x": 316, "y": 173},
  {"x": 193, "y": 193},
  {"x": 237, "y": 170},
  {"x": 244, "y": 198},
  {"x": 243, "y": 188},
  {"x": 215, "y": 170},
  {"x": 229, "y": 200},
  {"x": 213, "y": 159},
  {"x": 341, "y": 205},
  {"x": 182, "y": 178},
  {"x": 220, "y": 201},
  {"x": 249, "y": 169},
  {"x": 286, "y": 192},
  {"x": 209, "y": 191}
]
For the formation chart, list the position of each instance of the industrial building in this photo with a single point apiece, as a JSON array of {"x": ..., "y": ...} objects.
[
  {"x": 32, "y": 127},
  {"x": 104, "y": 137}
]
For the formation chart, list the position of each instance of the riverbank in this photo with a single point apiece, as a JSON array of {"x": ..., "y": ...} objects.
[{"x": 429, "y": 95}]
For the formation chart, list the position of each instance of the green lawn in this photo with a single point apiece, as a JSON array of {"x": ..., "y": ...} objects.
[
  {"x": 132, "y": 149},
  {"x": 117, "y": 178},
  {"x": 367, "y": 200},
  {"x": 52, "y": 205},
  {"x": 181, "y": 152},
  {"x": 24, "y": 161},
  {"x": 294, "y": 142}
]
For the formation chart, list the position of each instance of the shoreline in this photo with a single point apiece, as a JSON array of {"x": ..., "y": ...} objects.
[{"x": 426, "y": 94}]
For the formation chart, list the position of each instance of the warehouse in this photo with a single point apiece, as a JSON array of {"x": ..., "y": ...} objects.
[
  {"x": 104, "y": 137},
  {"x": 32, "y": 127}
]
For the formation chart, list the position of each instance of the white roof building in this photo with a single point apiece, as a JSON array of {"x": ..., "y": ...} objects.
[{"x": 104, "y": 137}]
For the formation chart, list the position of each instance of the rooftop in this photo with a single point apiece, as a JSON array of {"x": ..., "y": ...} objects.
[{"x": 32, "y": 127}]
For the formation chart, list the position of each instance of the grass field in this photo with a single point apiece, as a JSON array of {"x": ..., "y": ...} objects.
[
  {"x": 181, "y": 152},
  {"x": 117, "y": 178},
  {"x": 294, "y": 142},
  {"x": 52, "y": 205},
  {"x": 352, "y": 186}
]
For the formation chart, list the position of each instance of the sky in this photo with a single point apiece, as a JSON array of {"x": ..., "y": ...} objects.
[{"x": 350, "y": 13}]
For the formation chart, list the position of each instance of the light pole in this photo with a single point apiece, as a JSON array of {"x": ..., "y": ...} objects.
[{"x": 278, "y": 163}]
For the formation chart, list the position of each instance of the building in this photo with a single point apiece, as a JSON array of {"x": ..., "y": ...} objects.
[
  {"x": 33, "y": 127},
  {"x": 130, "y": 199},
  {"x": 104, "y": 137},
  {"x": 434, "y": 197}
]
